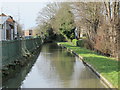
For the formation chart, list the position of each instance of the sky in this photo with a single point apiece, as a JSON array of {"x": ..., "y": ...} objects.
[{"x": 24, "y": 12}]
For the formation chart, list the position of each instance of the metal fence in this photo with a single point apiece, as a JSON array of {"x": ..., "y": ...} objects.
[{"x": 11, "y": 50}]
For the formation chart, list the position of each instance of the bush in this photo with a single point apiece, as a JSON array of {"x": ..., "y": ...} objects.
[
  {"x": 84, "y": 43},
  {"x": 80, "y": 43},
  {"x": 74, "y": 42}
]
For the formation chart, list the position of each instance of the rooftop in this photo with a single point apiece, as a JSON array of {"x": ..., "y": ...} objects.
[
  {"x": 4, "y": 18},
  {"x": 3, "y": 14}
]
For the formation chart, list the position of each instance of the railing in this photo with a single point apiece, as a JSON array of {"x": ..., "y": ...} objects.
[{"x": 11, "y": 50}]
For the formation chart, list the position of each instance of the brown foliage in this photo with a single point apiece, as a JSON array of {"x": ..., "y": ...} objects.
[{"x": 102, "y": 23}]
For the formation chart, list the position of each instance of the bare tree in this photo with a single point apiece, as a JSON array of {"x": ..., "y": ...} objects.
[
  {"x": 47, "y": 13},
  {"x": 101, "y": 20}
]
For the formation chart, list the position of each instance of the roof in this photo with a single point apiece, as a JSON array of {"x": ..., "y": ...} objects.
[
  {"x": 4, "y": 18},
  {"x": 3, "y": 14},
  {"x": 10, "y": 20}
]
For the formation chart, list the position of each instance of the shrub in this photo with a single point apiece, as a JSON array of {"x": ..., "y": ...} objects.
[
  {"x": 80, "y": 43},
  {"x": 85, "y": 43},
  {"x": 74, "y": 42}
]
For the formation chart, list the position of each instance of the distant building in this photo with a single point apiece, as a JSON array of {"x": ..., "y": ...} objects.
[
  {"x": 31, "y": 33},
  {"x": 28, "y": 32},
  {"x": 8, "y": 28}
]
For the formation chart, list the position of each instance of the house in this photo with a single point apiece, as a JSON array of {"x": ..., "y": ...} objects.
[
  {"x": 28, "y": 34},
  {"x": 8, "y": 28}
]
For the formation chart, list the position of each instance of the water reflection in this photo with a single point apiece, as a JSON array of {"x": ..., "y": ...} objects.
[{"x": 56, "y": 68}]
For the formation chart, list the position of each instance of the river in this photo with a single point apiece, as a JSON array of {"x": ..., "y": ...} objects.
[{"x": 55, "y": 68}]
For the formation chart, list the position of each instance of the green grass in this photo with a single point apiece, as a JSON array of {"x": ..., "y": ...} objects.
[{"x": 106, "y": 66}]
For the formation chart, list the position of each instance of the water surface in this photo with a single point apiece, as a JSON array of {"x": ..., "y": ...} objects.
[{"x": 57, "y": 68}]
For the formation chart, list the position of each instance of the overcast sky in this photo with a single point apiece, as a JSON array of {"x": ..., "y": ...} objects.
[{"x": 25, "y": 11}]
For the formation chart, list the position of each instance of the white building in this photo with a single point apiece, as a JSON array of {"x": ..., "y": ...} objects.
[{"x": 8, "y": 28}]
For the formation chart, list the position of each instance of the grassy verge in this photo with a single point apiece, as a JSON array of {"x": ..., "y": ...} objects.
[{"x": 106, "y": 66}]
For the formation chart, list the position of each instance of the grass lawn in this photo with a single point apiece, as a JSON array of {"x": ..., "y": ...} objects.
[{"x": 106, "y": 66}]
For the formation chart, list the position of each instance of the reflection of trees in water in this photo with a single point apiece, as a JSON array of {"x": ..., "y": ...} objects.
[
  {"x": 56, "y": 68},
  {"x": 66, "y": 69},
  {"x": 64, "y": 66},
  {"x": 57, "y": 63},
  {"x": 63, "y": 63}
]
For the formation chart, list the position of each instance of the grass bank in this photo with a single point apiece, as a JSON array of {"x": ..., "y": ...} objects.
[{"x": 106, "y": 66}]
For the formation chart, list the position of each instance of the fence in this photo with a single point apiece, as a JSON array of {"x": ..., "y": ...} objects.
[
  {"x": 11, "y": 50},
  {"x": 0, "y": 55}
]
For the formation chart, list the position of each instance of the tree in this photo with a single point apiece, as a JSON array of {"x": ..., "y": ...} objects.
[
  {"x": 101, "y": 22},
  {"x": 47, "y": 13},
  {"x": 64, "y": 21},
  {"x": 59, "y": 17}
]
